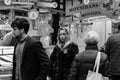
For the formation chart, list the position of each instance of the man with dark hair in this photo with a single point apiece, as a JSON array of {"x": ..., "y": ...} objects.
[
  {"x": 30, "y": 61},
  {"x": 112, "y": 49}
]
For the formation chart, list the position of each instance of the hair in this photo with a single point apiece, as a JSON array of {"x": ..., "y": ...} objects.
[
  {"x": 66, "y": 31},
  {"x": 21, "y": 23},
  {"x": 91, "y": 37}
]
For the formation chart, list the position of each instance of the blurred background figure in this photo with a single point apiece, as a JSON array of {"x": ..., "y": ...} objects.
[
  {"x": 62, "y": 56},
  {"x": 85, "y": 60},
  {"x": 9, "y": 39},
  {"x": 112, "y": 49}
]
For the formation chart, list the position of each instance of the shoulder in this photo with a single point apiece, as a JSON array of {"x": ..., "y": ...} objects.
[
  {"x": 114, "y": 36},
  {"x": 34, "y": 42},
  {"x": 72, "y": 43},
  {"x": 78, "y": 56}
]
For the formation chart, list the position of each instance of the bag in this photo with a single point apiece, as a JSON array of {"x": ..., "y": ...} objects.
[{"x": 94, "y": 75}]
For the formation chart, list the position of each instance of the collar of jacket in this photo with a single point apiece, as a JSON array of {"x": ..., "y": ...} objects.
[
  {"x": 91, "y": 47},
  {"x": 67, "y": 43}
]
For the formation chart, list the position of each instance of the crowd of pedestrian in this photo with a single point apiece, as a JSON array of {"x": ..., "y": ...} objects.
[{"x": 31, "y": 62}]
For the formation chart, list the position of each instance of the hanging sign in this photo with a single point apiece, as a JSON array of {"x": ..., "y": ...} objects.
[
  {"x": 33, "y": 14},
  {"x": 83, "y": 7},
  {"x": 7, "y": 2},
  {"x": 109, "y": 8},
  {"x": 28, "y": 2},
  {"x": 24, "y": 2},
  {"x": 95, "y": 19},
  {"x": 47, "y": 4},
  {"x": 86, "y": 2}
]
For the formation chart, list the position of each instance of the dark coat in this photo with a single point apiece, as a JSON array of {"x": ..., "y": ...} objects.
[
  {"x": 62, "y": 60},
  {"x": 35, "y": 62},
  {"x": 84, "y": 61},
  {"x": 113, "y": 51}
]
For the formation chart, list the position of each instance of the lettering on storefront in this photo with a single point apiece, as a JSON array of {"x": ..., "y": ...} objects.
[
  {"x": 98, "y": 18},
  {"x": 93, "y": 13},
  {"x": 83, "y": 7}
]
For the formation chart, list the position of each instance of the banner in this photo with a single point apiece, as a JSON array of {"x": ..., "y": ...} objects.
[{"x": 109, "y": 8}]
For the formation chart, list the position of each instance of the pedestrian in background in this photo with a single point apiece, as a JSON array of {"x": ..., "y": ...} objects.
[
  {"x": 62, "y": 56},
  {"x": 30, "y": 61},
  {"x": 9, "y": 39},
  {"x": 85, "y": 60},
  {"x": 112, "y": 49}
]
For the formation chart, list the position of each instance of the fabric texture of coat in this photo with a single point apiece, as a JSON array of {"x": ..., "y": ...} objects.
[
  {"x": 84, "y": 61},
  {"x": 112, "y": 49},
  {"x": 35, "y": 62},
  {"x": 61, "y": 60}
]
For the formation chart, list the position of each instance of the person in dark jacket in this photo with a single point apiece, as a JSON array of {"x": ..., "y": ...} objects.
[
  {"x": 62, "y": 56},
  {"x": 85, "y": 60},
  {"x": 112, "y": 49},
  {"x": 30, "y": 61}
]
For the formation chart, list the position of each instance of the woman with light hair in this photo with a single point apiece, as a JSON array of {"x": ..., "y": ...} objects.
[
  {"x": 85, "y": 60},
  {"x": 91, "y": 37},
  {"x": 62, "y": 56}
]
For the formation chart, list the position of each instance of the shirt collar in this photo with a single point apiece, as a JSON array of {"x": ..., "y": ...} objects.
[{"x": 23, "y": 40}]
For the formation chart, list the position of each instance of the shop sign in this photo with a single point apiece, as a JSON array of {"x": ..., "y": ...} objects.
[
  {"x": 110, "y": 8},
  {"x": 95, "y": 19},
  {"x": 83, "y": 7},
  {"x": 90, "y": 14},
  {"x": 7, "y": 2}
]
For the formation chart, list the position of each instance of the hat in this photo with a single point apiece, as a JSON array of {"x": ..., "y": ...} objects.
[{"x": 91, "y": 37}]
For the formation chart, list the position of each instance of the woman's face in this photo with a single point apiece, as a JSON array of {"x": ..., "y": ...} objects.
[{"x": 62, "y": 35}]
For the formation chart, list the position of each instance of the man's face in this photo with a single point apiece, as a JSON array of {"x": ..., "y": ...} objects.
[
  {"x": 17, "y": 32},
  {"x": 62, "y": 36}
]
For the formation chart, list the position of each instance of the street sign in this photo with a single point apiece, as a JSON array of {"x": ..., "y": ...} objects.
[{"x": 83, "y": 8}]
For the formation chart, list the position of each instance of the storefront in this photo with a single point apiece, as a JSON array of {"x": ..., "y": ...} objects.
[{"x": 98, "y": 15}]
